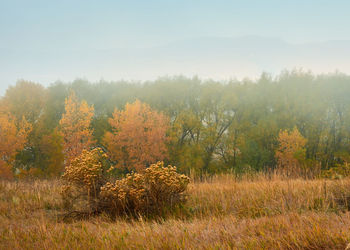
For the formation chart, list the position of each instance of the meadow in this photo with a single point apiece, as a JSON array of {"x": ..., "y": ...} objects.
[{"x": 222, "y": 212}]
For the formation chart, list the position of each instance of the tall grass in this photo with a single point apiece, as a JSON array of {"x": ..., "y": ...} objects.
[{"x": 222, "y": 212}]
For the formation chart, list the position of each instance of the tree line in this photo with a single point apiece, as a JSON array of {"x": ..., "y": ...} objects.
[{"x": 205, "y": 126}]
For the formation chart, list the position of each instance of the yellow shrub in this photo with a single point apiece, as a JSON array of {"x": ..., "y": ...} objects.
[
  {"x": 150, "y": 192},
  {"x": 157, "y": 188},
  {"x": 87, "y": 170},
  {"x": 83, "y": 179}
]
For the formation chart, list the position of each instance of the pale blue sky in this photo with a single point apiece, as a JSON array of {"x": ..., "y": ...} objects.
[
  {"x": 47, "y": 40},
  {"x": 113, "y": 24}
]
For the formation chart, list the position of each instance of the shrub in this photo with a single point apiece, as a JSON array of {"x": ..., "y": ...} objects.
[
  {"x": 88, "y": 191},
  {"x": 84, "y": 177},
  {"x": 156, "y": 189}
]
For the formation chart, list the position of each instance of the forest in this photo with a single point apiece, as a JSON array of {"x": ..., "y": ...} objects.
[{"x": 296, "y": 119}]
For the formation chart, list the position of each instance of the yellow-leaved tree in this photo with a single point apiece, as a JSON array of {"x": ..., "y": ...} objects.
[
  {"x": 291, "y": 151},
  {"x": 12, "y": 139},
  {"x": 138, "y": 136},
  {"x": 75, "y": 127}
]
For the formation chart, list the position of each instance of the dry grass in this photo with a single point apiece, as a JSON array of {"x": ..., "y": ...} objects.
[{"x": 221, "y": 213}]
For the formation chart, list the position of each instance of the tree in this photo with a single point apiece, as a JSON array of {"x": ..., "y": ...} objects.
[
  {"x": 26, "y": 99},
  {"x": 138, "y": 136},
  {"x": 52, "y": 149},
  {"x": 12, "y": 139},
  {"x": 291, "y": 151},
  {"x": 202, "y": 128},
  {"x": 75, "y": 127}
]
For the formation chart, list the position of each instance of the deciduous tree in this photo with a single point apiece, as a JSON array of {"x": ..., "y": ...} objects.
[
  {"x": 138, "y": 136},
  {"x": 291, "y": 150},
  {"x": 12, "y": 139},
  {"x": 26, "y": 99},
  {"x": 75, "y": 127}
]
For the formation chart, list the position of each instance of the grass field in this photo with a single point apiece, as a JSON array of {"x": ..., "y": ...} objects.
[{"x": 221, "y": 213}]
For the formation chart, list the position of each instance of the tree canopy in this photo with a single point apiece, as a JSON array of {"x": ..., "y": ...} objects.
[{"x": 210, "y": 126}]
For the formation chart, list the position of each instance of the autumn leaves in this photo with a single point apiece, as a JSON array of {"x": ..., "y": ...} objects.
[
  {"x": 75, "y": 127},
  {"x": 137, "y": 140},
  {"x": 13, "y": 138},
  {"x": 138, "y": 137}
]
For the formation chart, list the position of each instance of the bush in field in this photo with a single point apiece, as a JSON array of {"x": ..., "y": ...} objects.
[
  {"x": 156, "y": 189},
  {"x": 84, "y": 178},
  {"x": 88, "y": 191}
]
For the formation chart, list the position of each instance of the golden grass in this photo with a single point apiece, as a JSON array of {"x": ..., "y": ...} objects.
[{"x": 221, "y": 213}]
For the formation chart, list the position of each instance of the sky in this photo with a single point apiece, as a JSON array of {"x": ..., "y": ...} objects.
[{"x": 42, "y": 29}]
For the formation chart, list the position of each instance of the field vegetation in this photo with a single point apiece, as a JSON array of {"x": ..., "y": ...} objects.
[{"x": 222, "y": 212}]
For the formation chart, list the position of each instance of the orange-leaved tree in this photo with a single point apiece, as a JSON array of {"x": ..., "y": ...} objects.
[
  {"x": 75, "y": 127},
  {"x": 138, "y": 136},
  {"x": 12, "y": 139},
  {"x": 291, "y": 151}
]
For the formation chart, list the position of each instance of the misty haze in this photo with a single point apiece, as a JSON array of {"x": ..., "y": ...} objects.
[
  {"x": 206, "y": 57},
  {"x": 167, "y": 124}
]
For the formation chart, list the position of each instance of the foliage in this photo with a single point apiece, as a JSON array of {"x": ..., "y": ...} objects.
[
  {"x": 138, "y": 136},
  {"x": 75, "y": 127},
  {"x": 337, "y": 172},
  {"x": 30, "y": 174},
  {"x": 87, "y": 189},
  {"x": 26, "y": 99},
  {"x": 84, "y": 177},
  {"x": 291, "y": 151},
  {"x": 150, "y": 192},
  {"x": 213, "y": 126},
  {"x": 12, "y": 139},
  {"x": 87, "y": 170},
  {"x": 51, "y": 147}
]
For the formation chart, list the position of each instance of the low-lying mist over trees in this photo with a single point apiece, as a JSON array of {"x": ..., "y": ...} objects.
[
  {"x": 217, "y": 58},
  {"x": 212, "y": 126}
]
